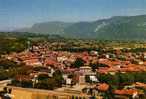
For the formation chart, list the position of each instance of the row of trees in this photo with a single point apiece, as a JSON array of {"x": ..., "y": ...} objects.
[
  {"x": 135, "y": 50},
  {"x": 120, "y": 79},
  {"x": 8, "y": 69},
  {"x": 43, "y": 81},
  {"x": 8, "y": 45}
]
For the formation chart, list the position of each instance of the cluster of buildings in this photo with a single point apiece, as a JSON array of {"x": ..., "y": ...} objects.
[
  {"x": 117, "y": 61},
  {"x": 120, "y": 66}
]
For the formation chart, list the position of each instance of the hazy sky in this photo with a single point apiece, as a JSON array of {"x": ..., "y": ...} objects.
[{"x": 24, "y": 13}]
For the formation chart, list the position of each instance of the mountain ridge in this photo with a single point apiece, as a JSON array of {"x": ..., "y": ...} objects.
[{"x": 117, "y": 27}]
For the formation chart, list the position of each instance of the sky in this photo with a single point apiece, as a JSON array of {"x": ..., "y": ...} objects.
[{"x": 24, "y": 13}]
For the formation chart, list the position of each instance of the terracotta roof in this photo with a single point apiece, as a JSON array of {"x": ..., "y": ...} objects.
[
  {"x": 102, "y": 87},
  {"x": 126, "y": 91},
  {"x": 139, "y": 84},
  {"x": 50, "y": 62}
]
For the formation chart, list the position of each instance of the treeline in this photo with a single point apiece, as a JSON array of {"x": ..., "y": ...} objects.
[
  {"x": 118, "y": 80},
  {"x": 134, "y": 50},
  {"x": 29, "y": 35},
  {"x": 20, "y": 34},
  {"x": 8, "y": 45},
  {"x": 8, "y": 68},
  {"x": 77, "y": 49},
  {"x": 43, "y": 81}
]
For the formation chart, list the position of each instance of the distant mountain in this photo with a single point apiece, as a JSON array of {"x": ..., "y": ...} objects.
[
  {"x": 118, "y": 27},
  {"x": 47, "y": 28}
]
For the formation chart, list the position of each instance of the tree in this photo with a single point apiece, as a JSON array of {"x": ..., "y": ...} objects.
[
  {"x": 26, "y": 84},
  {"x": 43, "y": 77},
  {"x": 49, "y": 83},
  {"x": 127, "y": 78},
  {"x": 3, "y": 75},
  {"x": 57, "y": 75},
  {"x": 78, "y": 63},
  {"x": 87, "y": 79},
  {"x": 94, "y": 66},
  {"x": 8, "y": 45},
  {"x": 45, "y": 82},
  {"x": 6, "y": 64}
]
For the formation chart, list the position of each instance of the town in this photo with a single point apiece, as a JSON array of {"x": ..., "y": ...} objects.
[{"x": 86, "y": 68}]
